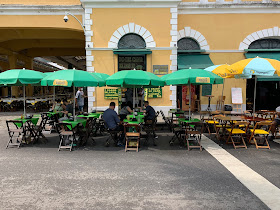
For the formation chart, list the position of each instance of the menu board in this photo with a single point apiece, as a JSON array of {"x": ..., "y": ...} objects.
[
  {"x": 154, "y": 92},
  {"x": 236, "y": 95},
  {"x": 206, "y": 90},
  {"x": 111, "y": 93}
]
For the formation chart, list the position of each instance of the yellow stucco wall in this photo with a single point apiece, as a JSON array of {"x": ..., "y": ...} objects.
[
  {"x": 41, "y": 2},
  {"x": 221, "y": 35},
  {"x": 39, "y": 21},
  {"x": 107, "y": 62},
  {"x": 157, "y": 21}
]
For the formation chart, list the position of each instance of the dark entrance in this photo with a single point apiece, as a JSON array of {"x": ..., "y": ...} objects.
[{"x": 267, "y": 97}]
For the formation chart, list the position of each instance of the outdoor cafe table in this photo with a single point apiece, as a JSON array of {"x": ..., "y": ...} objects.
[
  {"x": 50, "y": 114},
  {"x": 34, "y": 120},
  {"x": 131, "y": 122},
  {"x": 232, "y": 113},
  {"x": 90, "y": 115},
  {"x": 183, "y": 120},
  {"x": 139, "y": 118},
  {"x": 75, "y": 122}
]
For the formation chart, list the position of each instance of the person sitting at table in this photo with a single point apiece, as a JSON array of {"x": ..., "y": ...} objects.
[
  {"x": 150, "y": 113},
  {"x": 150, "y": 116},
  {"x": 112, "y": 122},
  {"x": 68, "y": 110},
  {"x": 275, "y": 123},
  {"x": 57, "y": 107},
  {"x": 127, "y": 109}
]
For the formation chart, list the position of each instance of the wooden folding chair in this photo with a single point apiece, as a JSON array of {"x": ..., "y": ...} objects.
[
  {"x": 260, "y": 132},
  {"x": 194, "y": 130},
  {"x": 16, "y": 132},
  {"x": 38, "y": 129},
  {"x": 178, "y": 132},
  {"x": 67, "y": 136},
  {"x": 236, "y": 132},
  {"x": 132, "y": 136}
]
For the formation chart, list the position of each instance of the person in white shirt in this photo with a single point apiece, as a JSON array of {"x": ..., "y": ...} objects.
[{"x": 80, "y": 99}]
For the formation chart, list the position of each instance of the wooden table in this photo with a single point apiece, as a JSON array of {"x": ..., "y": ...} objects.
[
  {"x": 230, "y": 118},
  {"x": 232, "y": 113}
]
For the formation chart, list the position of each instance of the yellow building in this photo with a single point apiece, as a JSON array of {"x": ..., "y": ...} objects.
[{"x": 156, "y": 36}]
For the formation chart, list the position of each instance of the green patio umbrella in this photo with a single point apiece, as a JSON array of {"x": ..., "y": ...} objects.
[
  {"x": 72, "y": 77},
  {"x": 101, "y": 75},
  {"x": 47, "y": 74},
  {"x": 134, "y": 79},
  {"x": 21, "y": 77},
  {"x": 191, "y": 76}
]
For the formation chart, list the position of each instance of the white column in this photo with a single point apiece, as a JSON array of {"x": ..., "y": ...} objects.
[
  {"x": 173, "y": 57},
  {"x": 89, "y": 56}
]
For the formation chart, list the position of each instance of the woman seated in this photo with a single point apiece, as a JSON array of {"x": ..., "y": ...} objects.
[
  {"x": 127, "y": 109},
  {"x": 58, "y": 106}
]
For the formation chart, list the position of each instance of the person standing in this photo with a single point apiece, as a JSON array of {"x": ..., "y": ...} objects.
[
  {"x": 80, "y": 99},
  {"x": 129, "y": 95}
]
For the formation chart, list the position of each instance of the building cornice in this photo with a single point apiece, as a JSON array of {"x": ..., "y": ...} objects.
[
  {"x": 130, "y": 3},
  {"x": 40, "y": 10},
  {"x": 248, "y": 7}
]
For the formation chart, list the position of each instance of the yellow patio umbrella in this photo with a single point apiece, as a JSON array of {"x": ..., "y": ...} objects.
[
  {"x": 255, "y": 66},
  {"x": 222, "y": 71}
]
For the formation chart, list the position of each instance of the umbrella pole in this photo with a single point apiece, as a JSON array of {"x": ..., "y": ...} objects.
[
  {"x": 133, "y": 97},
  {"x": 24, "y": 100},
  {"x": 255, "y": 93},
  {"x": 74, "y": 105},
  {"x": 53, "y": 94},
  {"x": 223, "y": 94},
  {"x": 190, "y": 101}
]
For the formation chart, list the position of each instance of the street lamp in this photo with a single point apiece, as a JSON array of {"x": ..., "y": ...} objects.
[{"x": 66, "y": 20}]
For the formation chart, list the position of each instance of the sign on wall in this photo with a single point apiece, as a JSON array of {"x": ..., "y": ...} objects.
[
  {"x": 111, "y": 93},
  {"x": 160, "y": 69},
  {"x": 154, "y": 92},
  {"x": 132, "y": 62}
]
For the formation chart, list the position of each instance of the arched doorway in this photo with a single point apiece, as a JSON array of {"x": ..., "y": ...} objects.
[{"x": 268, "y": 89}]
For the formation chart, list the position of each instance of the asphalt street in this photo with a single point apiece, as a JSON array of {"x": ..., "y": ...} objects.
[{"x": 97, "y": 177}]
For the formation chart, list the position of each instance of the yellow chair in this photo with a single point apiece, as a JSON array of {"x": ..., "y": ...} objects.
[
  {"x": 236, "y": 132},
  {"x": 258, "y": 134}
]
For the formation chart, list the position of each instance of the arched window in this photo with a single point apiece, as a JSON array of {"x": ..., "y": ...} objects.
[
  {"x": 265, "y": 44},
  {"x": 131, "y": 41},
  {"x": 188, "y": 44}
]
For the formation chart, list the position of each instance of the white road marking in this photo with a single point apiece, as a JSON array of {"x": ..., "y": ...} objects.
[
  {"x": 277, "y": 141},
  {"x": 258, "y": 185}
]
